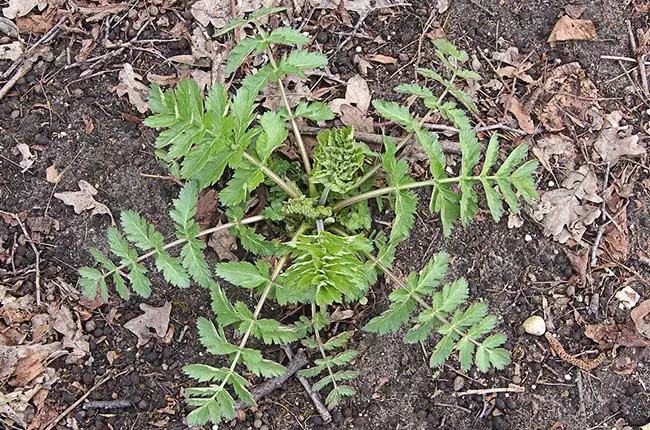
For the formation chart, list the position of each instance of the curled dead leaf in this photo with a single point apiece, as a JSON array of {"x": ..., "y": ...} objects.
[{"x": 616, "y": 141}]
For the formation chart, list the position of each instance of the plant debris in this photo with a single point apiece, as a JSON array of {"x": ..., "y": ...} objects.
[
  {"x": 83, "y": 200},
  {"x": 616, "y": 141},
  {"x": 566, "y": 212},
  {"x": 568, "y": 28},
  {"x": 153, "y": 323},
  {"x": 131, "y": 85}
]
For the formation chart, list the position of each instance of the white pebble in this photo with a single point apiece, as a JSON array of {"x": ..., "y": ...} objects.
[
  {"x": 535, "y": 325},
  {"x": 551, "y": 183},
  {"x": 528, "y": 238},
  {"x": 567, "y": 377},
  {"x": 358, "y": 49}
]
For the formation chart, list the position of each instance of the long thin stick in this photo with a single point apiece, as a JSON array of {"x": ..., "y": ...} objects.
[
  {"x": 72, "y": 407},
  {"x": 315, "y": 398},
  {"x": 512, "y": 388},
  {"x": 297, "y": 362}
]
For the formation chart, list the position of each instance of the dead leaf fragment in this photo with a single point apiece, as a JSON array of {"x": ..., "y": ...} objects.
[
  {"x": 83, "y": 200},
  {"x": 640, "y": 318},
  {"x": 28, "y": 158},
  {"x": 567, "y": 28},
  {"x": 74, "y": 340},
  {"x": 22, "y": 7},
  {"x": 383, "y": 59},
  {"x": 616, "y": 141},
  {"x": 223, "y": 243},
  {"x": 215, "y": 12},
  {"x": 575, "y": 10},
  {"x": 131, "y": 85},
  {"x": 442, "y": 6},
  {"x": 11, "y": 51},
  {"x": 614, "y": 335},
  {"x": 628, "y": 297},
  {"x": 52, "y": 175},
  {"x": 567, "y": 211},
  {"x": 152, "y": 320},
  {"x": 357, "y": 94},
  {"x": 515, "y": 107}
]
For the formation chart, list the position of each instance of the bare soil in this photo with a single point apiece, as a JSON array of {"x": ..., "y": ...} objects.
[{"x": 513, "y": 270}]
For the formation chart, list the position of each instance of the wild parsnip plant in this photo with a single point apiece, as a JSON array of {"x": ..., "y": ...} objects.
[{"x": 322, "y": 253}]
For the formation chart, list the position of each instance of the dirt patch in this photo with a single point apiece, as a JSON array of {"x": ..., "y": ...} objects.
[{"x": 518, "y": 272}]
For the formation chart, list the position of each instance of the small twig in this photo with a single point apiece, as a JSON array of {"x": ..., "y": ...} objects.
[
  {"x": 174, "y": 179},
  {"x": 640, "y": 59},
  {"x": 37, "y": 255},
  {"x": 315, "y": 398},
  {"x": 617, "y": 58},
  {"x": 297, "y": 362},
  {"x": 511, "y": 388},
  {"x": 594, "y": 250},
  {"x": 108, "y": 404},
  {"x": 73, "y": 406},
  {"x": 448, "y": 146},
  {"x": 581, "y": 395}
]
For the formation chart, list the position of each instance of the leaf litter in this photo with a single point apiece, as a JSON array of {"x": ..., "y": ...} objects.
[
  {"x": 153, "y": 323},
  {"x": 83, "y": 200},
  {"x": 566, "y": 212}
]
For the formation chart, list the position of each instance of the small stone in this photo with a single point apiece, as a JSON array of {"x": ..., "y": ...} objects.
[
  {"x": 567, "y": 377},
  {"x": 516, "y": 379},
  {"x": 153, "y": 10},
  {"x": 570, "y": 291},
  {"x": 358, "y": 49},
  {"x": 403, "y": 57},
  {"x": 322, "y": 37},
  {"x": 500, "y": 404},
  {"x": 143, "y": 404},
  {"x": 511, "y": 404},
  {"x": 88, "y": 378},
  {"x": 459, "y": 383},
  {"x": 90, "y": 326},
  {"x": 535, "y": 325},
  {"x": 15, "y": 114},
  {"x": 78, "y": 93},
  {"x": 257, "y": 423},
  {"x": 259, "y": 414},
  {"x": 528, "y": 238}
]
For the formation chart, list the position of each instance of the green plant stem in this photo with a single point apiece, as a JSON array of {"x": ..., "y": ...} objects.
[
  {"x": 244, "y": 221},
  {"x": 258, "y": 308},
  {"x": 421, "y": 302},
  {"x": 387, "y": 190},
  {"x": 294, "y": 125},
  {"x": 272, "y": 175}
]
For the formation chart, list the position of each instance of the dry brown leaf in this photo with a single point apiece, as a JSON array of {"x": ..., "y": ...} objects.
[
  {"x": 568, "y": 97},
  {"x": 383, "y": 59},
  {"x": 575, "y": 10},
  {"x": 83, "y": 200},
  {"x": 357, "y": 94},
  {"x": 73, "y": 338},
  {"x": 352, "y": 116},
  {"x": 567, "y": 28},
  {"x": 566, "y": 212},
  {"x": 515, "y": 107},
  {"x": 640, "y": 318},
  {"x": 10, "y": 356},
  {"x": 510, "y": 56},
  {"x": 52, "y": 175},
  {"x": 615, "y": 242},
  {"x": 215, "y": 12},
  {"x": 614, "y": 335},
  {"x": 616, "y": 141},
  {"x": 131, "y": 85},
  {"x": 206, "y": 208},
  {"x": 37, "y": 24},
  {"x": 562, "y": 147},
  {"x": 22, "y": 7},
  {"x": 152, "y": 320},
  {"x": 224, "y": 244}
]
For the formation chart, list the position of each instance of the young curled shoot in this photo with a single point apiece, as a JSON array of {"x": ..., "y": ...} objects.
[{"x": 317, "y": 247}]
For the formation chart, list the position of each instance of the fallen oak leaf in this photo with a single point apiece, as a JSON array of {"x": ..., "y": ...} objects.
[
  {"x": 18, "y": 8},
  {"x": 83, "y": 200},
  {"x": 615, "y": 141},
  {"x": 567, "y": 28},
  {"x": 152, "y": 323},
  {"x": 28, "y": 158},
  {"x": 514, "y": 106}
]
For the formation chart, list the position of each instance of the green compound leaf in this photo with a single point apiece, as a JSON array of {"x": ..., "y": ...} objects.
[{"x": 337, "y": 159}]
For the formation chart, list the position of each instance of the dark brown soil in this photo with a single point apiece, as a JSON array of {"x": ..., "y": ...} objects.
[{"x": 513, "y": 270}]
